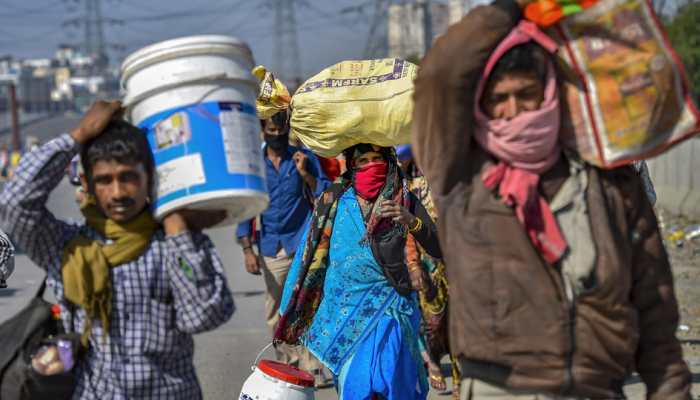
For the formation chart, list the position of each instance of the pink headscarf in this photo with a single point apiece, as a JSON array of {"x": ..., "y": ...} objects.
[{"x": 525, "y": 146}]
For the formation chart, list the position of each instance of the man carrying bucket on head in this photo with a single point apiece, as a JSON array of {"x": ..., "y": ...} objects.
[
  {"x": 559, "y": 283},
  {"x": 294, "y": 180},
  {"x": 136, "y": 290}
]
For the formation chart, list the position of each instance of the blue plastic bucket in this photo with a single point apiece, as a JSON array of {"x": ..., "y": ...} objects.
[{"x": 194, "y": 97}]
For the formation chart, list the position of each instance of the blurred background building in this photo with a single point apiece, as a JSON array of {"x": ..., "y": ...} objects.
[{"x": 60, "y": 55}]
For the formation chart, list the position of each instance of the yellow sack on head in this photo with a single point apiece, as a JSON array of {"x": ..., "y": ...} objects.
[
  {"x": 273, "y": 96},
  {"x": 355, "y": 102}
]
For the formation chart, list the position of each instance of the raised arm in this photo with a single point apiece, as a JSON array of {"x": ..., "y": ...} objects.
[
  {"x": 427, "y": 234},
  {"x": 310, "y": 170},
  {"x": 23, "y": 212},
  {"x": 444, "y": 93},
  {"x": 23, "y": 201}
]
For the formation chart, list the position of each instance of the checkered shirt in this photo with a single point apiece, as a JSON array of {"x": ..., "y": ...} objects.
[
  {"x": 175, "y": 289},
  {"x": 7, "y": 257}
]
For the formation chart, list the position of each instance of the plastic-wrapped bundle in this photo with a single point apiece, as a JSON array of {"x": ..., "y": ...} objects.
[{"x": 355, "y": 102}]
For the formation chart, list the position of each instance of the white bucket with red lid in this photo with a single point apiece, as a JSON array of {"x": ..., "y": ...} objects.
[{"x": 272, "y": 380}]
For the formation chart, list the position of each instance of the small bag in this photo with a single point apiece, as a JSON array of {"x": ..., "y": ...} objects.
[
  {"x": 625, "y": 91},
  {"x": 21, "y": 337},
  {"x": 390, "y": 256}
]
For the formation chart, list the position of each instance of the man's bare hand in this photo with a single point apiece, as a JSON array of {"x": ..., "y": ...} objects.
[
  {"x": 300, "y": 160},
  {"x": 95, "y": 120},
  {"x": 196, "y": 220},
  {"x": 252, "y": 262}
]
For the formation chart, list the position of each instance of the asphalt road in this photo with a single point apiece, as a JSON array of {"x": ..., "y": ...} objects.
[{"x": 223, "y": 357}]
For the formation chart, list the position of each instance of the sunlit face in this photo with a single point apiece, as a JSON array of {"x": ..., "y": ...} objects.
[
  {"x": 366, "y": 158},
  {"x": 121, "y": 190},
  {"x": 512, "y": 94}
]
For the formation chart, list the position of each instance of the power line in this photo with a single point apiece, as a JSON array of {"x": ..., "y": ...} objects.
[
  {"x": 312, "y": 25},
  {"x": 157, "y": 11},
  {"x": 245, "y": 20},
  {"x": 94, "y": 44},
  {"x": 35, "y": 36},
  {"x": 133, "y": 25},
  {"x": 376, "y": 41},
  {"x": 22, "y": 12},
  {"x": 287, "y": 58},
  {"x": 143, "y": 6},
  {"x": 192, "y": 13},
  {"x": 325, "y": 14},
  {"x": 193, "y": 28}
]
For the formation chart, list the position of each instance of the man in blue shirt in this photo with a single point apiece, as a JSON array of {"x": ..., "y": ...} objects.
[{"x": 294, "y": 179}]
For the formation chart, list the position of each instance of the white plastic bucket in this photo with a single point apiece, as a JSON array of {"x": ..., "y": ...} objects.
[
  {"x": 195, "y": 98},
  {"x": 272, "y": 380}
]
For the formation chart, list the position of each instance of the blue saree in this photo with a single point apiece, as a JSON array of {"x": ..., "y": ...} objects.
[{"x": 363, "y": 330}]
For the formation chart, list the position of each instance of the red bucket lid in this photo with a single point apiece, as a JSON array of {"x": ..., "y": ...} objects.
[{"x": 286, "y": 373}]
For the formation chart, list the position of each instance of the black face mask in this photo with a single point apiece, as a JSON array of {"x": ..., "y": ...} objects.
[{"x": 277, "y": 142}]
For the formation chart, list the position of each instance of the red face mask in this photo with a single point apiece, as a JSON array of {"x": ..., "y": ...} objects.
[{"x": 369, "y": 179}]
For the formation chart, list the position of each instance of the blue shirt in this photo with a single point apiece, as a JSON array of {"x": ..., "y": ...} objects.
[{"x": 285, "y": 218}]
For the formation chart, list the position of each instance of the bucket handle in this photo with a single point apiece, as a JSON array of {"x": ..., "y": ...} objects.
[{"x": 255, "y": 364}]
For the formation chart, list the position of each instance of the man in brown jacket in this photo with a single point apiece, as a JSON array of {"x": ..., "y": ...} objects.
[{"x": 560, "y": 286}]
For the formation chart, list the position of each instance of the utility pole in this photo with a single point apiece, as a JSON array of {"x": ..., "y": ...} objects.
[
  {"x": 427, "y": 25},
  {"x": 376, "y": 46},
  {"x": 14, "y": 114},
  {"x": 287, "y": 58},
  {"x": 94, "y": 40},
  {"x": 94, "y": 44}
]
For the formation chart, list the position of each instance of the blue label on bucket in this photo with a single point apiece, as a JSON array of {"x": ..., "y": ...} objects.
[{"x": 208, "y": 147}]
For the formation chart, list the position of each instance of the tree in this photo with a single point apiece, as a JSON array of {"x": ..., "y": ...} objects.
[{"x": 684, "y": 31}]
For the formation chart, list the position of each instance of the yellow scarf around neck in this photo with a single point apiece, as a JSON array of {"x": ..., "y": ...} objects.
[{"x": 86, "y": 262}]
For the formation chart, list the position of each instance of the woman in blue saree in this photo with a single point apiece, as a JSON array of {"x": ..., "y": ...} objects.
[{"x": 348, "y": 296}]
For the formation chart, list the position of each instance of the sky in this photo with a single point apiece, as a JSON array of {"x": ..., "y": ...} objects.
[
  {"x": 34, "y": 28},
  {"x": 326, "y": 34}
]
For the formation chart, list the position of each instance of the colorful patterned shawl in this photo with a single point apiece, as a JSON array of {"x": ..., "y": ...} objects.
[{"x": 308, "y": 289}]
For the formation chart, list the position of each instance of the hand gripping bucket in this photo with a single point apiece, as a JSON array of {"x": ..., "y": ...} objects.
[
  {"x": 195, "y": 99},
  {"x": 272, "y": 380}
]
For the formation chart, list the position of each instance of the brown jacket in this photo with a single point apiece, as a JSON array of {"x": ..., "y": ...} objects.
[{"x": 510, "y": 319}]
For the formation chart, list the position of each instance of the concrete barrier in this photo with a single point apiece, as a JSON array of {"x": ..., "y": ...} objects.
[{"x": 676, "y": 178}]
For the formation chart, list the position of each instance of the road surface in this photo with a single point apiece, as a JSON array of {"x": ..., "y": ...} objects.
[{"x": 222, "y": 357}]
